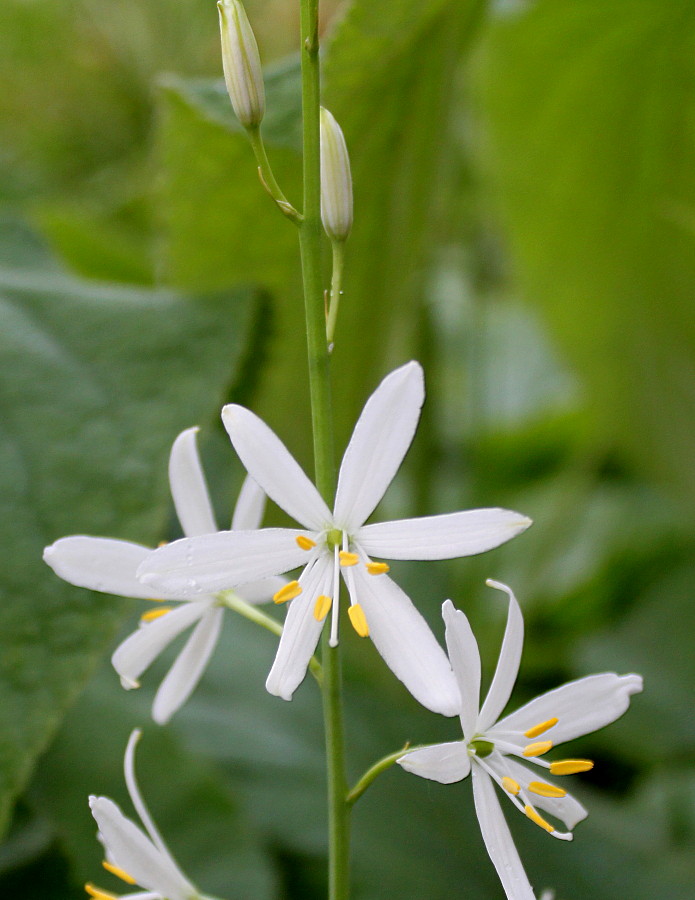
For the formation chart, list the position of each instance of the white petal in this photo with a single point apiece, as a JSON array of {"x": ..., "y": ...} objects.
[
  {"x": 221, "y": 561},
  {"x": 498, "y": 840},
  {"x": 138, "y": 650},
  {"x": 405, "y": 641},
  {"x": 507, "y": 664},
  {"x": 271, "y": 464},
  {"x": 250, "y": 506},
  {"x": 465, "y": 661},
  {"x": 381, "y": 438},
  {"x": 260, "y": 591},
  {"x": 188, "y": 487},
  {"x": 566, "y": 809},
  {"x": 100, "y": 564},
  {"x": 445, "y": 763},
  {"x": 581, "y": 706},
  {"x": 442, "y": 537},
  {"x": 301, "y": 631},
  {"x": 132, "y": 851},
  {"x": 184, "y": 675}
]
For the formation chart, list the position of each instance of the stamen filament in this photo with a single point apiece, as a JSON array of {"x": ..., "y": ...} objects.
[
  {"x": 322, "y": 607},
  {"x": 546, "y": 790},
  {"x": 570, "y": 766},
  {"x": 378, "y": 568},
  {"x": 118, "y": 872},
  {"x": 288, "y": 592},
  {"x": 538, "y": 749},
  {"x": 335, "y": 616},
  {"x": 305, "y": 543},
  {"x": 359, "y": 620},
  {"x": 540, "y": 728}
]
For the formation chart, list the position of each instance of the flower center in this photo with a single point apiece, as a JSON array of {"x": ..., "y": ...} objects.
[
  {"x": 334, "y": 538},
  {"x": 480, "y": 747}
]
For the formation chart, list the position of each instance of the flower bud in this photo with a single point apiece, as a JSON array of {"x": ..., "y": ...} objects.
[
  {"x": 241, "y": 63},
  {"x": 336, "y": 180}
]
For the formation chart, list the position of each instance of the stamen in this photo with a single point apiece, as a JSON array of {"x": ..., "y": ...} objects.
[
  {"x": 305, "y": 543},
  {"x": 570, "y": 766},
  {"x": 118, "y": 872},
  {"x": 377, "y": 568},
  {"x": 323, "y": 604},
  {"x": 546, "y": 790},
  {"x": 153, "y": 614},
  {"x": 511, "y": 786},
  {"x": 98, "y": 894},
  {"x": 540, "y": 728},
  {"x": 539, "y": 820},
  {"x": 538, "y": 749},
  {"x": 162, "y": 543},
  {"x": 333, "y": 640},
  {"x": 347, "y": 558},
  {"x": 359, "y": 620},
  {"x": 288, "y": 592},
  {"x": 156, "y": 600}
]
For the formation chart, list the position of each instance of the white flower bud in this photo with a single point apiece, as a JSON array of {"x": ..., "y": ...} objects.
[
  {"x": 241, "y": 63},
  {"x": 336, "y": 180}
]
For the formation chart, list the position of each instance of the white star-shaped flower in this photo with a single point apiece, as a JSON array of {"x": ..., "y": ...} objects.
[
  {"x": 333, "y": 542},
  {"x": 491, "y": 748},
  {"x": 104, "y": 564},
  {"x": 135, "y": 856}
]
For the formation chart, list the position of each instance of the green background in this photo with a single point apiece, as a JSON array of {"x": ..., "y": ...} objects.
[{"x": 525, "y": 227}]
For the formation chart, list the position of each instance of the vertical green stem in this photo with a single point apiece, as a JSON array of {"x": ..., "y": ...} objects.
[{"x": 310, "y": 238}]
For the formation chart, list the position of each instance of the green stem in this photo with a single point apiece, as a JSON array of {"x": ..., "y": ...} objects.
[
  {"x": 310, "y": 239},
  {"x": 336, "y": 290},
  {"x": 371, "y": 774},
  {"x": 265, "y": 173}
]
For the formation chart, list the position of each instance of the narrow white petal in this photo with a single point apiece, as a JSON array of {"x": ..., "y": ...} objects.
[
  {"x": 566, "y": 809},
  {"x": 137, "y": 798},
  {"x": 260, "y": 591},
  {"x": 184, "y": 675},
  {"x": 445, "y": 763},
  {"x": 138, "y": 650},
  {"x": 465, "y": 661},
  {"x": 381, "y": 438},
  {"x": 301, "y": 631},
  {"x": 498, "y": 839},
  {"x": 250, "y": 506},
  {"x": 100, "y": 564},
  {"x": 405, "y": 641},
  {"x": 581, "y": 707},
  {"x": 221, "y": 561},
  {"x": 271, "y": 464},
  {"x": 188, "y": 487},
  {"x": 507, "y": 664},
  {"x": 442, "y": 537},
  {"x": 132, "y": 851}
]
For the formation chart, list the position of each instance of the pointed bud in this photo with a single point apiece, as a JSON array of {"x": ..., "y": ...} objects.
[
  {"x": 241, "y": 63},
  {"x": 336, "y": 180}
]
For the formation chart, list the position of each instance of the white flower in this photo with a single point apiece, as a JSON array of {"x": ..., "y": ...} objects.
[
  {"x": 490, "y": 747},
  {"x": 137, "y": 857},
  {"x": 338, "y": 541},
  {"x": 103, "y": 564},
  {"x": 336, "y": 180}
]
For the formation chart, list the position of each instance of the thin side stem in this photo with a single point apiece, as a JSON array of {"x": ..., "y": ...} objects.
[
  {"x": 336, "y": 290},
  {"x": 267, "y": 178},
  {"x": 373, "y": 773}
]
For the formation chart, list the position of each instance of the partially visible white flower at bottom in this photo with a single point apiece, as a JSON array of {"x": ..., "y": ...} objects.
[
  {"x": 137, "y": 856},
  {"x": 491, "y": 746}
]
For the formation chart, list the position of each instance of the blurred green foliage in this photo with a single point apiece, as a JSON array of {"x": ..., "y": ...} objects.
[{"x": 524, "y": 227}]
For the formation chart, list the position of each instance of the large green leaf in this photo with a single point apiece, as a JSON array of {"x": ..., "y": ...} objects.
[
  {"x": 590, "y": 109},
  {"x": 96, "y": 382}
]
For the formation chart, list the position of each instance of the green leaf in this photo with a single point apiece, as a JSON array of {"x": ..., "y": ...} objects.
[
  {"x": 590, "y": 114},
  {"x": 96, "y": 382}
]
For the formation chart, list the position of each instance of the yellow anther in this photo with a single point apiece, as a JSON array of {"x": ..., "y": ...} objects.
[
  {"x": 538, "y": 749},
  {"x": 99, "y": 894},
  {"x": 152, "y": 614},
  {"x": 377, "y": 568},
  {"x": 348, "y": 559},
  {"x": 288, "y": 592},
  {"x": 540, "y": 728},
  {"x": 322, "y": 606},
  {"x": 570, "y": 766},
  {"x": 359, "y": 620},
  {"x": 162, "y": 543},
  {"x": 118, "y": 872},
  {"x": 546, "y": 790},
  {"x": 156, "y": 600},
  {"x": 511, "y": 786},
  {"x": 539, "y": 820},
  {"x": 305, "y": 543}
]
